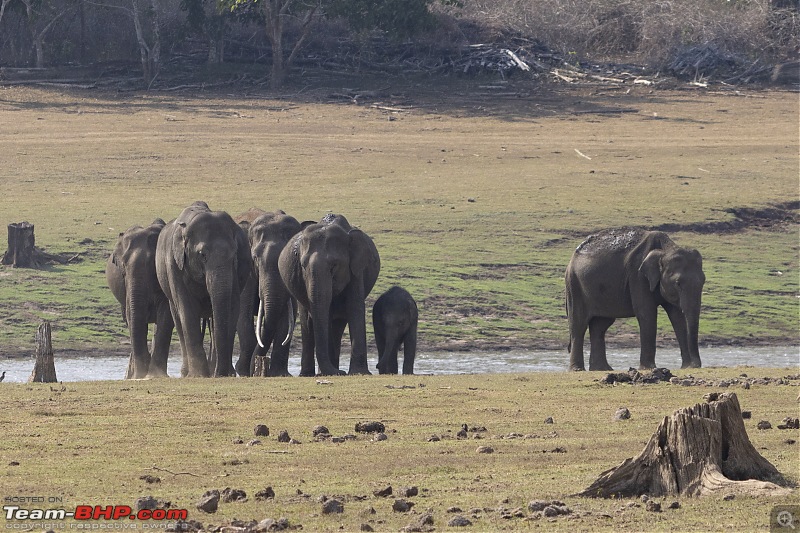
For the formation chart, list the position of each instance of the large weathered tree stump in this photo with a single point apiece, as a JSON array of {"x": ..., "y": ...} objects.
[
  {"x": 21, "y": 246},
  {"x": 698, "y": 450},
  {"x": 44, "y": 371}
]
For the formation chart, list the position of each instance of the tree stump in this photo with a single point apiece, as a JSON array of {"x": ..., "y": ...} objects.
[
  {"x": 21, "y": 246},
  {"x": 260, "y": 366},
  {"x": 697, "y": 451},
  {"x": 44, "y": 371}
]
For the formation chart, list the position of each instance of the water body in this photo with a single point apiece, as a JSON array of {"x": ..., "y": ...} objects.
[{"x": 93, "y": 368}]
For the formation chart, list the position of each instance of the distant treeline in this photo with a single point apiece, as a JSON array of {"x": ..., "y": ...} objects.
[{"x": 279, "y": 33}]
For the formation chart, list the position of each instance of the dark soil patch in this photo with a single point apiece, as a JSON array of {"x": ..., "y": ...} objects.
[{"x": 776, "y": 216}]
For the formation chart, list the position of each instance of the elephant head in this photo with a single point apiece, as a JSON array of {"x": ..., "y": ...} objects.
[
  {"x": 330, "y": 268},
  {"x": 676, "y": 274},
  {"x": 268, "y": 234},
  {"x": 203, "y": 262},
  {"x": 131, "y": 275}
]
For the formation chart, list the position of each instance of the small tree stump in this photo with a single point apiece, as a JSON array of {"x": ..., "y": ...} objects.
[
  {"x": 44, "y": 371},
  {"x": 260, "y": 366},
  {"x": 697, "y": 451},
  {"x": 21, "y": 246}
]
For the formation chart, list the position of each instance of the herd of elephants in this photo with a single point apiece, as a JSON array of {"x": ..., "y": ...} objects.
[{"x": 208, "y": 269}]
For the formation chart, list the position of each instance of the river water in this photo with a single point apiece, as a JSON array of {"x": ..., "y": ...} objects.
[{"x": 91, "y": 368}]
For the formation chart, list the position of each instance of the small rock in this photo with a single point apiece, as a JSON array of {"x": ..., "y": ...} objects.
[
  {"x": 550, "y": 511},
  {"x": 426, "y": 520},
  {"x": 746, "y": 385},
  {"x": 622, "y": 414},
  {"x": 434, "y": 438},
  {"x": 266, "y": 494},
  {"x": 537, "y": 505},
  {"x": 454, "y": 510},
  {"x": 485, "y": 449},
  {"x": 294, "y": 441},
  {"x": 549, "y": 420},
  {"x": 261, "y": 431},
  {"x": 644, "y": 498},
  {"x": 675, "y": 505},
  {"x": 459, "y": 521},
  {"x": 150, "y": 479},
  {"x": 254, "y": 442},
  {"x": 320, "y": 430},
  {"x": 747, "y": 415},
  {"x": 370, "y": 427},
  {"x": 366, "y": 527},
  {"x": 790, "y": 441},
  {"x": 402, "y": 506},
  {"x": 729, "y": 497},
  {"x": 462, "y": 433},
  {"x": 337, "y": 439},
  {"x": 764, "y": 424},
  {"x": 790, "y": 423},
  {"x": 408, "y": 492},
  {"x": 333, "y": 506},
  {"x": 653, "y": 506},
  {"x": 283, "y": 436},
  {"x": 185, "y": 526},
  {"x": 148, "y": 502},
  {"x": 379, "y": 437},
  {"x": 209, "y": 502},
  {"x": 230, "y": 495},
  {"x": 384, "y": 492},
  {"x": 238, "y": 441}
]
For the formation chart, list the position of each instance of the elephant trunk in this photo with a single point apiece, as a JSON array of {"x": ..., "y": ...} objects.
[
  {"x": 225, "y": 312},
  {"x": 690, "y": 305},
  {"x": 320, "y": 292},
  {"x": 136, "y": 298},
  {"x": 272, "y": 296}
]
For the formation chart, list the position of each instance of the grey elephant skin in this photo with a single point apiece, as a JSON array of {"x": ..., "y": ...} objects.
[
  {"x": 131, "y": 276},
  {"x": 631, "y": 272},
  {"x": 265, "y": 296},
  {"x": 203, "y": 262},
  {"x": 394, "y": 319},
  {"x": 330, "y": 268}
]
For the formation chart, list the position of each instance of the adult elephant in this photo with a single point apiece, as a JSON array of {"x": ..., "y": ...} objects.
[
  {"x": 330, "y": 268},
  {"x": 265, "y": 292},
  {"x": 131, "y": 276},
  {"x": 202, "y": 262},
  {"x": 631, "y": 272},
  {"x": 394, "y": 319}
]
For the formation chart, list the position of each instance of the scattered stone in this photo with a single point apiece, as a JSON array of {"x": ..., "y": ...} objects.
[
  {"x": 185, "y": 526},
  {"x": 402, "y": 506},
  {"x": 747, "y": 415},
  {"x": 238, "y": 441},
  {"x": 337, "y": 439},
  {"x": 268, "y": 524},
  {"x": 283, "y": 436},
  {"x": 434, "y": 438},
  {"x": 320, "y": 430},
  {"x": 366, "y": 527},
  {"x": 261, "y": 431},
  {"x": 674, "y": 505},
  {"x": 653, "y": 506},
  {"x": 644, "y": 498},
  {"x": 746, "y": 385},
  {"x": 558, "y": 449},
  {"x": 230, "y": 495},
  {"x": 459, "y": 521},
  {"x": 790, "y": 441},
  {"x": 209, "y": 502},
  {"x": 790, "y": 423},
  {"x": 266, "y": 494},
  {"x": 370, "y": 427},
  {"x": 462, "y": 433},
  {"x": 379, "y": 437},
  {"x": 549, "y": 420},
  {"x": 150, "y": 479},
  {"x": 622, "y": 414},
  {"x": 408, "y": 492},
  {"x": 454, "y": 510},
  {"x": 537, "y": 505},
  {"x": 294, "y": 441},
  {"x": 485, "y": 449},
  {"x": 764, "y": 424},
  {"x": 332, "y": 506},
  {"x": 254, "y": 442},
  {"x": 384, "y": 492},
  {"x": 147, "y": 502},
  {"x": 729, "y": 497}
]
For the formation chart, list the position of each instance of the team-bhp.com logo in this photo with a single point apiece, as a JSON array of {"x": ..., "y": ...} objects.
[{"x": 94, "y": 512}]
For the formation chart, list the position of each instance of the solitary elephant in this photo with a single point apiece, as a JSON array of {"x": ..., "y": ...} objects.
[
  {"x": 630, "y": 272},
  {"x": 268, "y": 234},
  {"x": 330, "y": 268},
  {"x": 131, "y": 276},
  {"x": 394, "y": 318},
  {"x": 202, "y": 262}
]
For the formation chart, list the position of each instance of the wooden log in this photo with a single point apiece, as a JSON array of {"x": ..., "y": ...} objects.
[
  {"x": 21, "y": 246},
  {"x": 697, "y": 451},
  {"x": 44, "y": 371}
]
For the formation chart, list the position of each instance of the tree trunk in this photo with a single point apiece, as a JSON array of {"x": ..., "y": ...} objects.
[
  {"x": 21, "y": 246},
  {"x": 697, "y": 451},
  {"x": 44, "y": 371},
  {"x": 260, "y": 366}
]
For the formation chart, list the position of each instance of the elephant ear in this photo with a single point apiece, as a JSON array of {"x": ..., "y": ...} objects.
[
  {"x": 362, "y": 252},
  {"x": 651, "y": 268},
  {"x": 179, "y": 244}
]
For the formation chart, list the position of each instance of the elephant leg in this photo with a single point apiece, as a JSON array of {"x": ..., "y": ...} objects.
[
  {"x": 409, "y": 350},
  {"x": 335, "y": 349},
  {"x": 247, "y": 343},
  {"x": 597, "y": 343},
  {"x": 577, "y": 331},
  {"x": 161, "y": 339},
  {"x": 380, "y": 342},
  {"x": 678, "y": 321},
  {"x": 648, "y": 324},
  {"x": 279, "y": 360},
  {"x": 307, "y": 363},
  {"x": 131, "y": 364},
  {"x": 187, "y": 322},
  {"x": 392, "y": 348},
  {"x": 356, "y": 320}
]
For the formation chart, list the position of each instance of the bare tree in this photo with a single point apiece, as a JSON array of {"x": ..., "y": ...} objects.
[{"x": 42, "y": 15}]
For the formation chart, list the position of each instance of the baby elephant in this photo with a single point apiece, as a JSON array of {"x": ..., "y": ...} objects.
[{"x": 394, "y": 317}]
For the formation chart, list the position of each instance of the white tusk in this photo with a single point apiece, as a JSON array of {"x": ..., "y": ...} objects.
[
  {"x": 259, "y": 320},
  {"x": 291, "y": 324}
]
